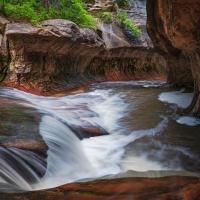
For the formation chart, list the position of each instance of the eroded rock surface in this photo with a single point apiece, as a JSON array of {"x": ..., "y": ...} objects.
[
  {"x": 174, "y": 27},
  {"x": 60, "y": 56},
  {"x": 101, "y": 5},
  {"x": 119, "y": 189},
  {"x": 43, "y": 58},
  {"x": 137, "y": 12}
]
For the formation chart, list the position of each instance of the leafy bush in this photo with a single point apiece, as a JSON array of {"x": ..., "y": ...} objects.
[
  {"x": 122, "y": 3},
  {"x": 73, "y": 11},
  {"x": 122, "y": 16},
  {"x": 129, "y": 24},
  {"x": 33, "y": 11},
  {"x": 106, "y": 17},
  {"x": 27, "y": 11}
]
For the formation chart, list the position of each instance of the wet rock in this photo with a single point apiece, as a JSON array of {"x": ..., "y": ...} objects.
[
  {"x": 136, "y": 11},
  {"x": 43, "y": 59},
  {"x": 86, "y": 132},
  {"x": 19, "y": 127},
  {"x": 173, "y": 187},
  {"x": 174, "y": 29},
  {"x": 28, "y": 144}
]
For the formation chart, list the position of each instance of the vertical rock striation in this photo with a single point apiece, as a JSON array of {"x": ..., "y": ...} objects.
[
  {"x": 137, "y": 12},
  {"x": 49, "y": 59},
  {"x": 174, "y": 27},
  {"x": 60, "y": 56}
]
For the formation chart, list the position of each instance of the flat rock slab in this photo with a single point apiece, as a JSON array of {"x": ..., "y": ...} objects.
[{"x": 174, "y": 187}]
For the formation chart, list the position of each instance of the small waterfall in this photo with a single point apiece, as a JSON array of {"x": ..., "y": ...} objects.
[
  {"x": 66, "y": 160},
  {"x": 128, "y": 147},
  {"x": 69, "y": 159},
  {"x": 19, "y": 169}
]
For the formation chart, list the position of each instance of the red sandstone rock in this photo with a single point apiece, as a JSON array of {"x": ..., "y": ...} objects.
[
  {"x": 165, "y": 188},
  {"x": 174, "y": 27},
  {"x": 60, "y": 56}
]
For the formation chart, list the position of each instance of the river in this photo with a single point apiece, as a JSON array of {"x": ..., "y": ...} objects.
[{"x": 146, "y": 137}]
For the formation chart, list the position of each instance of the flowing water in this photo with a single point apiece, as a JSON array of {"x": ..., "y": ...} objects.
[{"x": 146, "y": 136}]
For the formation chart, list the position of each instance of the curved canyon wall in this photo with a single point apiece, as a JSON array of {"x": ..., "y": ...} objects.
[
  {"x": 60, "y": 56},
  {"x": 174, "y": 27}
]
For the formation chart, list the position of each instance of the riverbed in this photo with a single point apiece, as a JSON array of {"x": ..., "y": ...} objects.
[{"x": 146, "y": 137}]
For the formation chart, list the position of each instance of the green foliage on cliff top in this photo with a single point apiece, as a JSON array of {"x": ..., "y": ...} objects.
[
  {"x": 73, "y": 11},
  {"x": 129, "y": 24},
  {"x": 34, "y": 12},
  {"x": 25, "y": 11}
]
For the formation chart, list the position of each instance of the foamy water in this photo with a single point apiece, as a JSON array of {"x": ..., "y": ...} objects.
[
  {"x": 179, "y": 98},
  {"x": 190, "y": 121},
  {"x": 182, "y": 100},
  {"x": 127, "y": 147}
]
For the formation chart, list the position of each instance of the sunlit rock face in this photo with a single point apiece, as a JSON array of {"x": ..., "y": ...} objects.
[
  {"x": 100, "y": 5},
  {"x": 174, "y": 27}
]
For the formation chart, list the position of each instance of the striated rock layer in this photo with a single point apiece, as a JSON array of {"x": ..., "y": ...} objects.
[
  {"x": 61, "y": 56},
  {"x": 174, "y": 27},
  {"x": 119, "y": 189}
]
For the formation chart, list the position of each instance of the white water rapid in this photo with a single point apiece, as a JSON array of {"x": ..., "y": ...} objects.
[{"x": 71, "y": 159}]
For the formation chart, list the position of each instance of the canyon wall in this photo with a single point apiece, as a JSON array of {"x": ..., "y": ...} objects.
[
  {"x": 174, "y": 27},
  {"x": 60, "y": 56}
]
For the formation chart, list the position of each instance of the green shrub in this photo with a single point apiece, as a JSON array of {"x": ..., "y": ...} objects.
[
  {"x": 33, "y": 11},
  {"x": 122, "y": 16},
  {"x": 132, "y": 27},
  {"x": 73, "y": 11},
  {"x": 129, "y": 24},
  {"x": 122, "y": 3},
  {"x": 27, "y": 11},
  {"x": 107, "y": 17}
]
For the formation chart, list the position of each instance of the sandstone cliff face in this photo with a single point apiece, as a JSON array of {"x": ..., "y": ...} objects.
[
  {"x": 127, "y": 64},
  {"x": 115, "y": 35},
  {"x": 174, "y": 27},
  {"x": 44, "y": 58},
  {"x": 60, "y": 56}
]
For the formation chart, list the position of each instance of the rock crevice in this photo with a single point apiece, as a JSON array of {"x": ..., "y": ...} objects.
[{"x": 174, "y": 27}]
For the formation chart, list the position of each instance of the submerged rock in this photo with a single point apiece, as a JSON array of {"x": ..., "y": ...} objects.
[{"x": 19, "y": 127}]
